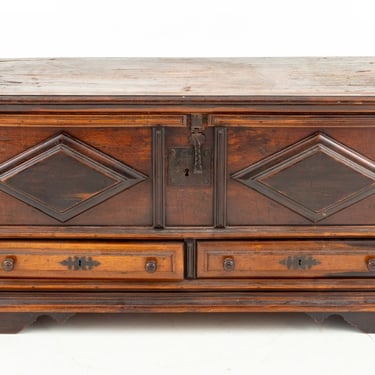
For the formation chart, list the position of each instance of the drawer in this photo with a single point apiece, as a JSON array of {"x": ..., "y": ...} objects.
[
  {"x": 42, "y": 259},
  {"x": 236, "y": 259}
]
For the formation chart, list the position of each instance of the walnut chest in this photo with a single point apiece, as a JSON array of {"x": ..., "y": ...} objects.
[{"x": 180, "y": 185}]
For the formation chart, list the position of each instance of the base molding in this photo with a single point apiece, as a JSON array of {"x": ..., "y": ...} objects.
[
  {"x": 178, "y": 301},
  {"x": 20, "y": 309}
]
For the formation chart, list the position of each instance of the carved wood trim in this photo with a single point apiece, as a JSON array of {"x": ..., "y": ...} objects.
[
  {"x": 190, "y": 259},
  {"x": 228, "y": 284},
  {"x": 92, "y": 120},
  {"x": 281, "y": 120},
  {"x": 59, "y": 194},
  {"x": 230, "y": 232},
  {"x": 229, "y": 301},
  {"x": 266, "y": 177},
  {"x": 220, "y": 176},
  {"x": 158, "y": 156}
]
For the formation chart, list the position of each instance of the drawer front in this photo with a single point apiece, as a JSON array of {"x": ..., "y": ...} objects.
[
  {"x": 221, "y": 259},
  {"x": 148, "y": 261}
]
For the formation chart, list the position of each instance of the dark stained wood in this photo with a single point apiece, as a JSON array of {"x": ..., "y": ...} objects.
[
  {"x": 361, "y": 320},
  {"x": 275, "y": 213},
  {"x": 190, "y": 205},
  {"x": 101, "y": 302},
  {"x": 327, "y": 177},
  {"x": 276, "y": 232},
  {"x": 135, "y": 110},
  {"x": 292, "y": 121},
  {"x": 92, "y": 120},
  {"x": 112, "y": 149},
  {"x": 158, "y": 152},
  {"x": 190, "y": 259},
  {"x": 15, "y": 322},
  {"x": 37, "y": 177},
  {"x": 194, "y": 285},
  {"x": 252, "y": 147},
  {"x": 220, "y": 179}
]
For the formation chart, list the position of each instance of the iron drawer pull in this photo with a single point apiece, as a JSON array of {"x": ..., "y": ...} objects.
[
  {"x": 371, "y": 264},
  {"x": 151, "y": 266},
  {"x": 8, "y": 264},
  {"x": 228, "y": 264}
]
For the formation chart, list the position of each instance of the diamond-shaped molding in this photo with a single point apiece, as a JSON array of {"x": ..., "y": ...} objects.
[
  {"x": 315, "y": 177},
  {"x": 64, "y": 177}
]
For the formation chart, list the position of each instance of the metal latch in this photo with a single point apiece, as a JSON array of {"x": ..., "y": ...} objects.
[
  {"x": 191, "y": 166},
  {"x": 197, "y": 139}
]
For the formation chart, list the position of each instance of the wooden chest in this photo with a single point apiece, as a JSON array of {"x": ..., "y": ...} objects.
[{"x": 180, "y": 185}]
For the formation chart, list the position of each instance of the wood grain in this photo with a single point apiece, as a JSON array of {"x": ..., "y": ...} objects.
[
  {"x": 135, "y": 112},
  {"x": 276, "y": 232},
  {"x": 158, "y": 150},
  {"x": 285, "y": 259},
  {"x": 96, "y": 260},
  {"x": 143, "y": 106},
  {"x": 250, "y": 145},
  {"x": 188, "y": 205},
  {"x": 220, "y": 177},
  {"x": 292, "y": 121},
  {"x": 213, "y": 285},
  {"x": 100, "y": 302},
  {"x": 314, "y": 76},
  {"x": 91, "y": 120},
  {"x": 130, "y": 146}
]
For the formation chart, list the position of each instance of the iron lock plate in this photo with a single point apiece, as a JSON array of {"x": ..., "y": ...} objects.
[{"x": 181, "y": 167}]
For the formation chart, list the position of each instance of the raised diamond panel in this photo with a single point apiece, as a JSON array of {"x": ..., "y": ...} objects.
[
  {"x": 64, "y": 177},
  {"x": 315, "y": 177}
]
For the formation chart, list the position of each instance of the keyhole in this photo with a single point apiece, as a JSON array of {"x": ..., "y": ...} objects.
[
  {"x": 300, "y": 262},
  {"x": 80, "y": 263},
  {"x": 186, "y": 172}
]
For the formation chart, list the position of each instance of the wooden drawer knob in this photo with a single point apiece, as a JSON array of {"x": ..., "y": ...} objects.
[
  {"x": 8, "y": 264},
  {"x": 371, "y": 264},
  {"x": 151, "y": 266},
  {"x": 228, "y": 264}
]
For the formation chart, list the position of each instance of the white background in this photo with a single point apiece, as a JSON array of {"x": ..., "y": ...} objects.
[
  {"x": 186, "y": 344},
  {"x": 186, "y": 28}
]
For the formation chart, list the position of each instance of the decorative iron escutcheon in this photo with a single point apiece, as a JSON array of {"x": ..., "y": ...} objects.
[
  {"x": 80, "y": 263},
  {"x": 191, "y": 166},
  {"x": 197, "y": 140},
  {"x": 299, "y": 262}
]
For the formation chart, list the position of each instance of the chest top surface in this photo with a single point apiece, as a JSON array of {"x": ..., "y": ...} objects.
[{"x": 302, "y": 76}]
